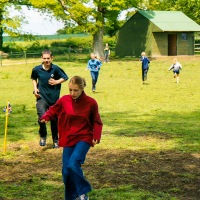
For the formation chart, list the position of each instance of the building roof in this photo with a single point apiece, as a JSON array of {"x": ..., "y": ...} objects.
[{"x": 171, "y": 21}]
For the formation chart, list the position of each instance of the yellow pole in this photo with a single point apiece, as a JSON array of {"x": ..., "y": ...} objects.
[{"x": 6, "y": 128}]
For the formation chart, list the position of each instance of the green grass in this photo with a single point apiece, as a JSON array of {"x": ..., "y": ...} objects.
[{"x": 161, "y": 116}]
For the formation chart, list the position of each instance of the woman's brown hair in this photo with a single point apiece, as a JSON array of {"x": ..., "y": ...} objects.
[{"x": 77, "y": 80}]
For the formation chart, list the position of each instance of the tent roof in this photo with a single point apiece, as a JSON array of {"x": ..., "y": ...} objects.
[{"x": 171, "y": 21}]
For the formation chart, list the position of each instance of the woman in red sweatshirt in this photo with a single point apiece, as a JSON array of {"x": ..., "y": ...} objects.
[{"x": 79, "y": 128}]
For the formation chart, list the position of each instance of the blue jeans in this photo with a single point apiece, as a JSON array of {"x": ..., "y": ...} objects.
[
  {"x": 42, "y": 106},
  {"x": 73, "y": 178},
  {"x": 94, "y": 76},
  {"x": 144, "y": 74}
]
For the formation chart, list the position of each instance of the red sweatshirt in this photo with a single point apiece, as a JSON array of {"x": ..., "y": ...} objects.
[{"x": 78, "y": 119}]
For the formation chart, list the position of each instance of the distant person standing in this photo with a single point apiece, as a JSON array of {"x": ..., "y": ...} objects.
[
  {"x": 94, "y": 66},
  {"x": 145, "y": 66},
  {"x": 176, "y": 66},
  {"x": 107, "y": 53},
  {"x": 47, "y": 79}
]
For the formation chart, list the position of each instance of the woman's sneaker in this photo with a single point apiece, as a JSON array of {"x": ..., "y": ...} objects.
[{"x": 82, "y": 197}]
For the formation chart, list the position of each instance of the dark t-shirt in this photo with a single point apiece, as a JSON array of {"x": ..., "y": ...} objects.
[
  {"x": 48, "y": 92},
  {"x": 106, "y": 51},
  {"x": 145, "y": 62}
]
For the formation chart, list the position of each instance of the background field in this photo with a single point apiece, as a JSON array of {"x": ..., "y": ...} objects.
[{"x": 150, "y": 142}]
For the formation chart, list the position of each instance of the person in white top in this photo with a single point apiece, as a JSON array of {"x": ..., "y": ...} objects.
[{"x": 176, "y": 66}]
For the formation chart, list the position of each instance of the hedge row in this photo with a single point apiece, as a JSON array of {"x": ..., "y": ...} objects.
[{"x": 61, "y": 47}]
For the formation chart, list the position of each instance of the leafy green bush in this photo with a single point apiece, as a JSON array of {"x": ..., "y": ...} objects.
[
  {"x": 73, "y": 43},
  {"x": 36, "y": 46},
  {"x": 78, "y": 45}
]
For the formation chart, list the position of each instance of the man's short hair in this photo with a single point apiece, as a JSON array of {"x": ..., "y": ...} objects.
[{"x": 47, "y": 51}]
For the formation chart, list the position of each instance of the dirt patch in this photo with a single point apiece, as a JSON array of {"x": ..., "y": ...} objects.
[
  {"x": 175, "y": 173},
  {"x": 172, "y": 172}
]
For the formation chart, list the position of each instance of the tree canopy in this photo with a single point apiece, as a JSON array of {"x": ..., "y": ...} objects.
[
  {"x": 97, "y": 16},
  {"x": 190, "y": 8},
  {"x": 89, "y": 16},
  {"x": 11, "y": 24}
]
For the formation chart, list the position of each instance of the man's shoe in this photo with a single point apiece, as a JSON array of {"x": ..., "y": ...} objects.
[
  {"x": 42, "y": 141},
  {"x": 55, "y": 144}
]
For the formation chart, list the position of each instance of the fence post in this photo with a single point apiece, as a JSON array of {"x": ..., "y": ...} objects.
[
  {"x": 6, "y": 127},
  {"x": 25, "y": 57}
]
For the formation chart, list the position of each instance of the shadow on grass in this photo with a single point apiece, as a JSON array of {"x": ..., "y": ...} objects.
[
  {"x": 183, "y": 128},
  {"x": 35, "y": 173}
]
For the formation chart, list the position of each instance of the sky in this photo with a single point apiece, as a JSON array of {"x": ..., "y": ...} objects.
[{"x": 39, "y": 24}]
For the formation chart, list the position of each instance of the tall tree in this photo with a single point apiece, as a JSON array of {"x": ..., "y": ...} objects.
[
  {"x": 11, "y": 25},
  {"x": 93, "y": 15},
  {"x": 90, "y": 15}
]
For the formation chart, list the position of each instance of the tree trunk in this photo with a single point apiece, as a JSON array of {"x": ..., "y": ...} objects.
[
  {"x": 98, "y": 43},
  {"x": 98, "y": 36}
]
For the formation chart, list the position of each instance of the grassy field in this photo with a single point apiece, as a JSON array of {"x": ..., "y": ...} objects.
[{"x": 150, "y": 143}]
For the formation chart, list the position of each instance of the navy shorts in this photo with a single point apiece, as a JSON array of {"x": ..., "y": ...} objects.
[{"x": 176, "y": 71}]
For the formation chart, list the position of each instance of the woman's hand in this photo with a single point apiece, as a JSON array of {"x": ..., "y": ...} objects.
[
  {"x": 43, "y": 121},
  {"x": 94, "y": 142}
]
